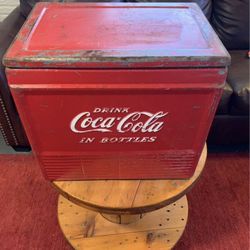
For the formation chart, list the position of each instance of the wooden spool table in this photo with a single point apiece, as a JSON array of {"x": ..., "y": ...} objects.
[{"x": 99, "y": 215}]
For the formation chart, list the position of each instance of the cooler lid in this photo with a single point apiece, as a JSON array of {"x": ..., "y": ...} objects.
[{"x": 116, "y": 35}]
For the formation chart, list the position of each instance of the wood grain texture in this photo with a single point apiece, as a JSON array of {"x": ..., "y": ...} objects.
[
  {"x": 85, "y": 229},
  {"x": 128, "y": 196}
]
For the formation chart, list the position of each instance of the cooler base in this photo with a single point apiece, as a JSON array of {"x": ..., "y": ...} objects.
[{"x": 161, "y": 165}]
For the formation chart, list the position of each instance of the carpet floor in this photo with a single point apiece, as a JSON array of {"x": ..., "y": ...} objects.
[{"x": 218, "y": 206}]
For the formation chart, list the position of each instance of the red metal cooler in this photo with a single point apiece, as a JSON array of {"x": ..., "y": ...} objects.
[{"x": 116, "y": 91}]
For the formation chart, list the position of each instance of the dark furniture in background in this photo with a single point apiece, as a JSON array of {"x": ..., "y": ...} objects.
[
  {"x": 10, "y": 124},
  {"x": 230, "y": 19}
]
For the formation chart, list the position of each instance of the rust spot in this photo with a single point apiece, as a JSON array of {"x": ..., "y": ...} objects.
[{"x": 150, "y": 238}]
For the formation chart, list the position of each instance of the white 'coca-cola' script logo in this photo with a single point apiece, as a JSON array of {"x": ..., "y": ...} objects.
[{"x": 83, "y": 123}]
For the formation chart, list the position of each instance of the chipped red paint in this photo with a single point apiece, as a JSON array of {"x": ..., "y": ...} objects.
[
  {"x": 116, "y": 91},
  {"x": 116, "y": 36}
]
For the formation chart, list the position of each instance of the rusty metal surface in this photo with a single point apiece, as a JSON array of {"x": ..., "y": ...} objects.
[{"x": 116, "y": 36}]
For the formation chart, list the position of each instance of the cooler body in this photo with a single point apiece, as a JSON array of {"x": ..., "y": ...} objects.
[
  {"x": 134, "y": 112},
  {"x": 92, "y": 124}
]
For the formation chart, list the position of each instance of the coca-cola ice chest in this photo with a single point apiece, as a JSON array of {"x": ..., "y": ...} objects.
[{"x": 116, "y": 91}]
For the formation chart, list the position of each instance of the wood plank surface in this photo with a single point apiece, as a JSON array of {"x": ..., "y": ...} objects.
[{"x": 85, "y": 229}]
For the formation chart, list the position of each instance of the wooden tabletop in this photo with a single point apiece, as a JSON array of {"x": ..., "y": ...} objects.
[{"x": 128, "y": 196}]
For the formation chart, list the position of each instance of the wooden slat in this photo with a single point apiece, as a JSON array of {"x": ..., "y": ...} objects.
[{"x": 85, "y": 229}]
